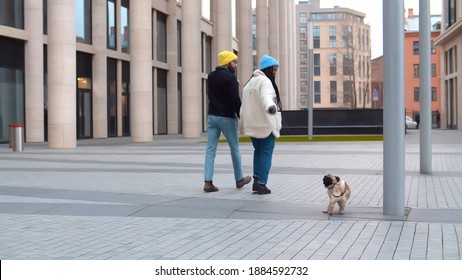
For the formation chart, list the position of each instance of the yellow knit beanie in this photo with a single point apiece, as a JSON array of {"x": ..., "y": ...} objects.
[{"x": 226, "y": 57}]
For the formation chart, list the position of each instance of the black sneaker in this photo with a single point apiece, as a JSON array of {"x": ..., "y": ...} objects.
[{"x": 262, "y": 189}]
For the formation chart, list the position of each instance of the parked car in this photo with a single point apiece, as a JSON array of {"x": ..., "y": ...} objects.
[{"x": 410, "y": 123}]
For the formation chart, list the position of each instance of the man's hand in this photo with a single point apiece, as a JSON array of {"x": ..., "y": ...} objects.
[{"x": 272, "y": 110}]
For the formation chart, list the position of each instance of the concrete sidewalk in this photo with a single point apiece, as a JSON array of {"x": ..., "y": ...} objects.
[{"x": 112, "y": 199}]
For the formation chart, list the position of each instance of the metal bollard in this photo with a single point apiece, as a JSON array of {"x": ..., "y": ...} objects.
[{"x": 18, "y": 143}]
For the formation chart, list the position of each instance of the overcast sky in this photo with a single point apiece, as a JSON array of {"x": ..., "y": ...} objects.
[{"x": 373, "y": 10}]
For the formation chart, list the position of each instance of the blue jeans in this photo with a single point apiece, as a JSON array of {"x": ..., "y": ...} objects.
[
  {"x": 262, "y": 157},
  {"x": 215, "y": 126}
]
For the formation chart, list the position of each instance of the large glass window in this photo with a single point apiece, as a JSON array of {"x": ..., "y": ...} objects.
[
  {"x": 84, "y": 96},
  {"x": 111, "y": 25},
  {"x": 125, "y": 98},
  {"x": 161, "y": 37},
  {"x": 45, "y": 17},
  {"x": 11, "y": 85},
  {"x": 83, "y": 21},
  {"x": 12, "y": 13},
  {"x": 124, "y": 27},
  {"x": 111, "y": 97},
  {"x": 161, "y": 101}
]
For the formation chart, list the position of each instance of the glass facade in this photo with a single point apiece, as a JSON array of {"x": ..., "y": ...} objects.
[
  {"x": 84, "y": 96},
  {"x": 111, "y": 25},
  {"x": 83, "y": 21},
  {"x": 124, "y": 26},
  {"x": 12, "y": 13},
  {"x": 111, "y": 97},
  {"x": 161, "y": 101},
  {"x": 11, "y": 85},
  {"x": 161, "y": 37}
]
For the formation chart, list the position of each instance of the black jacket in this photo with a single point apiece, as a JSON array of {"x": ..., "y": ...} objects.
[{"x": 223, "y": 93}]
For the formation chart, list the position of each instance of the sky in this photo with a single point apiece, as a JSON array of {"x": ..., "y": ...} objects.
[{"x": 373, "y": 10}]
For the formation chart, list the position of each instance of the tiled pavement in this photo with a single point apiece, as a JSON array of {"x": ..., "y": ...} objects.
[{"x": 112, "y": 199}]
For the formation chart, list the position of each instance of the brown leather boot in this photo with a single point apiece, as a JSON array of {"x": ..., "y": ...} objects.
[
  {"x": 209, "y": 187},
  {"x": 244, "y": 181}
]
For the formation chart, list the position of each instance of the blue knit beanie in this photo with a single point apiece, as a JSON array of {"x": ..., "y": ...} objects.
[{"x": 268, "y": 61}]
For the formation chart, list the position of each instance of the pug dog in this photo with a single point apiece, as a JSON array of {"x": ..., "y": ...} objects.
[{"x": 338, "y": 192}]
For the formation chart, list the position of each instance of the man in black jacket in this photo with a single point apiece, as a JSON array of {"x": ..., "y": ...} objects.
[{"x": 224, "y": 107}]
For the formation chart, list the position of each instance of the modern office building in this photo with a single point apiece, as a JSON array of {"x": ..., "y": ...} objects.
[
  {"x": 412, "y": 67},
  {"x": 75, "y": 69},
  {"x": 341, "y": 57},
  {"x": 450, "y": 42}
]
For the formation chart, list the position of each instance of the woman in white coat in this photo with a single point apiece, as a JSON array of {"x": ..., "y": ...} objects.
[{"x": 261, "y": 119}]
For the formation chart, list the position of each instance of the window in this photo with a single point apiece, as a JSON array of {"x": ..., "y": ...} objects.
[
  {"x": 416, "y": 71},
  {"x": 161, "y": 101},
  {"x": 303, "y": 58},
  {"x": 111, "y": 97},
  {"x": 332, "y": 36},
  {"x": 333, "y": 91},
  {"x": 346, "y": 92},
  {"x": 317, "y": 92},
  {"x": 347, "y": 65},
  {"x": 433, "y": 47},
  {"x": 161, "y": 37},
  {"x": 303, "y": 32},
  {"x": 303, "y": 74},
  {"x": 317, "y": 64},
  {"x": 416, "y": 94},
  {"x": 124, "y": 28},
  {"x": 433, "y": 70},
  {"x": 11, "y": 84},
  {"x": 111, "y": 25},
  {"x": 45, "y": 16},
  {"x": 333, "y": 64},
  {"x": 450, "y": 13},
  {"x": 303, "y": 18},
  {"x": 316, "y": 37},
  {"x": 12, "y": 13},
  {"x": 434, "y": 94},
  {"x": 83, "y": 21},
  {"x": 415, "y": 47}
]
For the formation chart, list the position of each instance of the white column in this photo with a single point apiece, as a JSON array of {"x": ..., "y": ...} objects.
[
  {"x": 245, "y": 63},
  {"x": 62, "y": 124},
  {"x": 223, "y": 26},
  {"x": 273, "y": 24},
  {"x": 393, "y": 106},
  {"x": 191, "y": 68},
  {"x": 34, "y": 89},
  {"x": 284, "y": 54},
  {"x": 99, "y": 34},
  {"x": 425, "y": 125},
  {"x": 262, "y": 29},
  {"x": 141, "y": 119},
  {"x": 172, "y": 75}
]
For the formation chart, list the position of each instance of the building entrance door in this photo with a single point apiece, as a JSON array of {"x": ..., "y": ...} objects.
[{"x": 84, "y": 128}]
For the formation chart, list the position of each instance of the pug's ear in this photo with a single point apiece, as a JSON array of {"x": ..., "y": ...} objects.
[{"x": 337, "y": 178}]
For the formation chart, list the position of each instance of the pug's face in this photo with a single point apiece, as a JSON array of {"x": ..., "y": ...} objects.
[{"x": 329, "y": 180}]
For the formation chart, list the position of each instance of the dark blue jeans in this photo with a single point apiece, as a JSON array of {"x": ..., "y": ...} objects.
[{"x": 262, "y": 157}]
